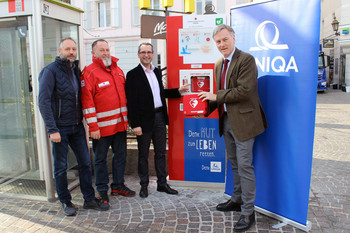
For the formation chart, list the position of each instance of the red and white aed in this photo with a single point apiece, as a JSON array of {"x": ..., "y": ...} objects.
[
  {"x": 200, "y": 80},
  {"x": 200, "y": 83},
  {"x": 193, "y": 106}
]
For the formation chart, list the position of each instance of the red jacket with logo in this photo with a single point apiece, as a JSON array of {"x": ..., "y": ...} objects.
[{"x": 103, "y": 97}]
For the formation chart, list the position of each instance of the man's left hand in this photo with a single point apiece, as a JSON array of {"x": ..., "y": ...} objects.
[{"x": 207, "y": 96}]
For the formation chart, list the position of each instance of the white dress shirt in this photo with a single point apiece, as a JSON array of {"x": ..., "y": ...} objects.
[{"x": 153, "y": 82}]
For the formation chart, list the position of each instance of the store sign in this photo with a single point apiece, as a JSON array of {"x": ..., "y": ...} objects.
[
  {"x": 328, "y": 43},
  {"x": 153, "y": 27}
]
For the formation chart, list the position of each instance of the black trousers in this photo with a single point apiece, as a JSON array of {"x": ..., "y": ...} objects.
[{"x": 158, "y": 137}]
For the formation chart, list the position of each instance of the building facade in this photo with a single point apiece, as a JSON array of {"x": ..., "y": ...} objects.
[
  {"x": 119, "y": 23},
  {"x": 338, "y": 73}
]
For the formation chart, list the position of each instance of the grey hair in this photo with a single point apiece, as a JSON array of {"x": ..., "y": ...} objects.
[
  {"x": 145, "y": 43},
  {"x": 64, "y": 39},
  {"x": 95, "y": 43},
  {"x": 222, "y": 27}
]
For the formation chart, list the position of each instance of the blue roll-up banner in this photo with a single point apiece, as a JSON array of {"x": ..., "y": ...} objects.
[{"x": 283, "y": 36}]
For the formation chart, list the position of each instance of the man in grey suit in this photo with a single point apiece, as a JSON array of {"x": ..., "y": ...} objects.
[{"x": 241, "y": 119}]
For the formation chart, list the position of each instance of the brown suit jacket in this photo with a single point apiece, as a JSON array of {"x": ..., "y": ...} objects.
[{"x": 244, "y": 111}]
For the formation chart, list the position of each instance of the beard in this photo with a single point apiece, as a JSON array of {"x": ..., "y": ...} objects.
[
  {"x": 63, "y": 56},
  {"x": 107, "y": 62}
]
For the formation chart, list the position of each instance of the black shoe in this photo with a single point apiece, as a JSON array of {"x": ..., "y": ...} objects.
[
  {"x": 93, "y": 205},
  {"x": 69, "y": 209},
  {"x": 229, "y": 206},
  {"x": 104, "y": 200},
  {"x": 166, "y": 188},
  {"x": 144, "y": 192},
  {"x": 124, "y": 191},
  {"x": 245, "y": 222}
]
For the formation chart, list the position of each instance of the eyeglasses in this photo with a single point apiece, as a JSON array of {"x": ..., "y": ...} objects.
[{"x": 144, "y": 52}]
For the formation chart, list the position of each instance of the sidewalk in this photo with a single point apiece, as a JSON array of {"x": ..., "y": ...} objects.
[{"x": 193, "y": 210}]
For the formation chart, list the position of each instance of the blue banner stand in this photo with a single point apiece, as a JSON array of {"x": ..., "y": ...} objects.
[{"x": 283, "y": 36}]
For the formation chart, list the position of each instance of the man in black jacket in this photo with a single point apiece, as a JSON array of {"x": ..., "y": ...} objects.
[
  {"x": 60, "y": 107},
  {"x": 148, "y": 116}
]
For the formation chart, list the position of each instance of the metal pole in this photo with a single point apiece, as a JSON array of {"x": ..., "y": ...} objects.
[{"x": 41, "y": 138}]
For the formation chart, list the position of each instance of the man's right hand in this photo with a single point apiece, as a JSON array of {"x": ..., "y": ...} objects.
[
  {"x": 55, "y": 137},
  {"x": 137, "y": 131},
  {"x": 95, "y": 134}
]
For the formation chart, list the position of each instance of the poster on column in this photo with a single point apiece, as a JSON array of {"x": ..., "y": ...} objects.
[
  {"x": 196, "y": 44},
  {"x": 204, "y": 151},
  {"x": 283, "y": 36}
]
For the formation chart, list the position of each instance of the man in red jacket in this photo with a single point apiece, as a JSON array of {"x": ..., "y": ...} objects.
[{"x": 104, "y": 106}]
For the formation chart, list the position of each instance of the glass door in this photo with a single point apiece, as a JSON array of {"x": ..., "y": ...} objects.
[
  {"x": 53, "y": 32},
  {"x": 18, "y": 156}
]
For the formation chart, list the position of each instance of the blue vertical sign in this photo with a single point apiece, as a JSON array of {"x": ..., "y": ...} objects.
[
  {"x": 204, "y": 151},
  {"x": 283, "y": 36}
]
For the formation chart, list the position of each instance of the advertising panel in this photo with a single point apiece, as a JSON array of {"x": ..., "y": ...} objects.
[
  {"x": 204, "y": 151},
  {"x": 153, "y": 27},
  {"x": 284, "y": 39}
]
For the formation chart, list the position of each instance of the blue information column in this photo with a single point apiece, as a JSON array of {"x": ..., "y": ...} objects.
[{"x": 283, "y": 36}]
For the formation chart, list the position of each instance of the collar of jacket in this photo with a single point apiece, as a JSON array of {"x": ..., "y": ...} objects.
[
  {"x": 99, "y": 62},
  {"x": 64, "y": 62}
]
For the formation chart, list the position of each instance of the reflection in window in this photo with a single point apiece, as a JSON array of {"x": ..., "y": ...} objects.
[{"x": 53, "y": 32}]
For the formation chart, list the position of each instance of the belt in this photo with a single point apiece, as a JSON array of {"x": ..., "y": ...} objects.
[{"x": 160, "y": 109}]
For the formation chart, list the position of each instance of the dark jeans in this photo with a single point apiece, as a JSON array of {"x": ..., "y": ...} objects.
[
  {"x": 101, "y": 147},
  {"x": 158, "y": 136},
  {"x": 74, "y": 136}
]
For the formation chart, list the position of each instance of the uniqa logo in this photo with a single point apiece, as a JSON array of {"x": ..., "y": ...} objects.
[{"x": 277, "y": 64}]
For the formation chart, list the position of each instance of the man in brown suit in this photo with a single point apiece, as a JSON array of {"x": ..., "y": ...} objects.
[{"x": 241, "y": 119}]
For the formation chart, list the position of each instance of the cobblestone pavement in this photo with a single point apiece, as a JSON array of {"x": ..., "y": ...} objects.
[{"x": 193, "y": 210}]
